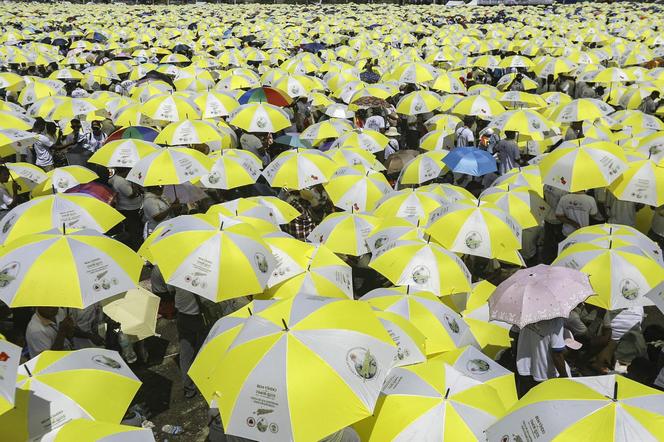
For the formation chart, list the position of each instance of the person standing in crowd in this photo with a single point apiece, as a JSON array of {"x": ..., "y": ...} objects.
[
  {"x": 129, "y": 201},
  {"x": 464, "y": 135},
  {"x": 393, "y": 144},
  {"x": 191, "y": 334},
  {"x": 507, "y": 152},
  {"x": 49, "y": 329},
  {"x": 540, "y": 354},
  {"x": 574, "y": 210},
  {"x": 651, "y": 103}
]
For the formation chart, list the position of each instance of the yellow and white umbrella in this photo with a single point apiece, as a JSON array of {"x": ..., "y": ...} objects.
[
  {"x": 190, "y": 132},
  {"x": 340, "y": 344},
  {"x": 299, "y": 169},
  {"x": 528, "y": 176},
  {"x": 71, "y": 210},
  {"x": 122, "y": 153},
  {"x": 524, "y": 122},
  {"x": 232, "y": 168},
  {"x": 621, "y": 274},
  {"x": 418, "y": 102},
  {"x": 479, "y": 106},
  {"x": 344, "y": 232},
  {"x": 425, "y": 167},
  {"x": 641, "y": 183},
  {"x": 598, "y": 408},
  {"x": 411, "y": 204},
  {"x": 64, "y": 178},
  {"x": 438, "y": 140},
  {"x": 354, "y": 190},
  {"x": 58, "y": 386},
  {"x": 15, "y": 140},
  {"x": 471, "y": 362},
  {"x": 259, "y": 118},
  {"x": 173, "y": 165},
  {"x": 85, "y": 430},
  {"x": 305, "y": 268},
  {"x": 366, "y": 139},
  {"x": 445, "y": 122},
  {"x": 10, "y": 358},
  {"x": 433, "y": 401},
  {"x": 170, "y": 107},
  {"x": 332, "y": 128},
  {"x": 423, "y": 266},
  {"x": 71, "y": 269},
  {"x": 479, "y": 229},
  {"x": 216, "y": 104},
  {"x": 580, "y": 109},
  {"x": 15, "y": 120},
  {"x": 584, "y": 167},
  {"x": 218, "y": 257},
  {"x": 522, "y": 203}
]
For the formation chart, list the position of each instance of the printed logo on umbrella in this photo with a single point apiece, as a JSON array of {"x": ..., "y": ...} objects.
[
  {"x": 477, "y": 366},
  {"x": 362, "y": 363}
]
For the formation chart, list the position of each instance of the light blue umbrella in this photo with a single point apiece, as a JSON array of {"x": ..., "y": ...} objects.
[{"x": 470, "y": 161}]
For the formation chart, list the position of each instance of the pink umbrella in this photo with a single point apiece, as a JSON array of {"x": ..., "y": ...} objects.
[{"x": 539, "y": 293}]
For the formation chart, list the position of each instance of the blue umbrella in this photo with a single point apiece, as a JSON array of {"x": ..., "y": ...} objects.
[
  {"x": 293, "y": 139},
  {"x": 471, "y": 161}
]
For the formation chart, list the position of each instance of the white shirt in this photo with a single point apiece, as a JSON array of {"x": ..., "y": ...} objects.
[
  {"x": 533, "y": 354},
  {"x": 624, "y": 320},
  {"x": 153, "y": 205},
  {"x": 464, "y": 137},
  {"x": 578, "y": 207},
  {"x": 185, "y": 302},
  {"x": 124, "y": 189},
  {"x": 375, "y": 122},
  {"x": 620, "y": 212},
  {"x": 42, "y": 149},
  {"x": 531, "y": 239},
  {"x": 41, "y": 333},
  {"x": 552, "y": 196}
]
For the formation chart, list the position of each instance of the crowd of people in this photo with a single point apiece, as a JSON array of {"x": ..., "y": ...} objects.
[{"x": 591, "y": 341}]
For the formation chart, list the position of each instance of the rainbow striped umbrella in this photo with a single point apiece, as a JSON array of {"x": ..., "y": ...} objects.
[{"x": 264, "y": 94}]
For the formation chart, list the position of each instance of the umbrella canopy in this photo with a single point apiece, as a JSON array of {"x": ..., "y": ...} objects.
[
  {"x": 135, "y": 311},
  {"x": 125, "y": 152},
  {"x": 68, "y": 384},
  {"x": 58, "y": 211},
  {"x": 423, "y": 266},
  {"x": 620, "y": 273},
  {"x": 431, "y": 398},
  {"x": 299, "y": 169},
  {"x": 10, "y": 358},
  {"x": 211, "y": 248},
  {"x": 341, "y": 345},
  {"x": 259, "y": 118},
  {"x": 584, "y": 167},
  {"x": 75, "y": 269},
  {"x": 539, "y": 293},
  {"x": 85, "y": 430},
  {"x": 479, "y": 229},
  {"x": 174, "y": 165},
  {"x": 344, "y": 232},
  {"x": 615, "y": 407},
  {"x": 470, "y": 161}
]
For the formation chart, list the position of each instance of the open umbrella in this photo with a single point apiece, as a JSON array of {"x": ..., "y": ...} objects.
[
  {"x": 470, "y": 161},
  {"x": 539, "y": 293}
]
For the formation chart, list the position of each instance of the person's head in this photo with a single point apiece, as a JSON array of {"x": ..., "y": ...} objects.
[
  {"x": 549, "y": 78},
  {"x": 468, "y": 121},
  {"x": 96, "y": 127},
  {"x": 51, "y": 128},
  {"x": 4, "y": 174},
  {"x": 48, "y": 312},
  {"x": 75, "y": 124},
  {"x": 600, "y": 90},
  {"x": 654, "y": 95},
  {"x": 518, "y": 76},
  {"x": 39, "y": 125},
  {"x": 510, "y": 134}
]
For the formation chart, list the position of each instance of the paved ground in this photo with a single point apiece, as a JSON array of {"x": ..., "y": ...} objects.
[{"x": 162, "y": 389}]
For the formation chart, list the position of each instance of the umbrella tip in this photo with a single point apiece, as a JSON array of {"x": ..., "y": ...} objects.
[
  {"x": 447, "y": 393},
  {"x": 249, "y": 310},
  {"x": 283, "y": 321}
]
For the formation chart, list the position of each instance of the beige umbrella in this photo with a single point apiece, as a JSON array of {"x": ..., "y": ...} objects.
[{"x": 136, "y": 311}]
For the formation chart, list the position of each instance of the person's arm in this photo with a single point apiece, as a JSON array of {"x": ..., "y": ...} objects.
[
  {"x": 65, "y": 331},
  {"x": 558, "y": 356},
  {"x": 94, "y": 337}
]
